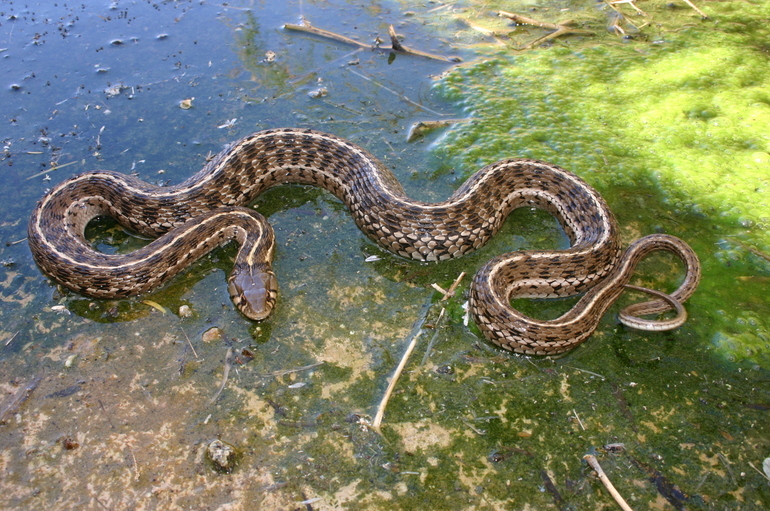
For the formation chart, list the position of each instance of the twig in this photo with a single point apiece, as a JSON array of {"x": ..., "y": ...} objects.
[
  {"x": 375, "y": 425},
  {"x": 703, "y": 14},
  {"x": 225, "y": 374},
  {"x": 101, "y": 405},
  {"x": 400, "y": 96},
  {"x": 396, "y": 44},
  {"x": 759, "y": 471},
  {"x": 414, "y": 334},
  {"x": 433, "y": 339},
  {"x": 136, "y": 465},
  {"x": 398, "y": 47},
  {"x": 524, "y": 20},
  {"x": 11, "y": 338},
  {"x": 188, "y": 342},
  {"x": 594, "y": 463},
  {"x": 448, "y": 293},
  {"x": 14, "y": 402},
  {"x": 295, "y": 370},
  {"x": 587, "y": 372},
  {"x": 578, "y": 419},
  {"x": 560, "y": 28},
  {"x": 55, "y": 167},
  {"x": 307, "y": 28}
]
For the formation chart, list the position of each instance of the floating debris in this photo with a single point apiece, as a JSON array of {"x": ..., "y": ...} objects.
[
  {"x": 318, "y": 93},
  {"x": 115, "y": 90},
  {"x": 155, "y": 305},
  {"x": 186, "y": 104},
  {"x": 422, "y": 128},
  {"x": 228, "y": 124},
  {"x": 269, "y": 56}
]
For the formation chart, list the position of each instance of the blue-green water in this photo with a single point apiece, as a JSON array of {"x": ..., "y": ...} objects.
[{"x": 121, "y": 414}]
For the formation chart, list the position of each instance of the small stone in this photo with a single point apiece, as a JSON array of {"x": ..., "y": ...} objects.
[
  {"x": 212, "y": 334},
  {"x": 318, "y": 93},
  {"x": 185, "y": 311},
  {"x": 222, "y": 455},
  {"x": 186, "y": 104}
]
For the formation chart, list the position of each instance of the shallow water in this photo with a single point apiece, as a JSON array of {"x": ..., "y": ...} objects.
[{"x": 113, "y": 399}]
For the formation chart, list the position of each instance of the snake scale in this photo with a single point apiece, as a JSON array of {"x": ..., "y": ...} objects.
[{"x": 207, "y": 210}]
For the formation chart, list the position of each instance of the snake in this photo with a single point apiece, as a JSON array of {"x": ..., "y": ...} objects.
[{"x": 210, "y": 209}]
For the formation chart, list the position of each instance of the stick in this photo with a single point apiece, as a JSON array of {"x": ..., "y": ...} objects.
[
  {"x": 400, "y": 48},
  {"x": 306, "y": 27},
  {"x": 400, "y": 96},
  {"x": 594, "y": 463},
  {"x": 396, "y": 44},
  {"x": 55, "y": 167},
  {"x": 225, "y": 374},
  {"x": 11, "y": 338},
  {"x": 289, "y": 371},
  {"x": 560, "y": 28},
  {"x": 524, "y": 20},
  {"x": 381, "y": 410},
  {"x": 188, "y": 342},
  {"x": 433, "y": 339},
  {"x": 451, "y": 291},
  {"x": 703, "y": 14},
  {"x": 578, "y": 419}
]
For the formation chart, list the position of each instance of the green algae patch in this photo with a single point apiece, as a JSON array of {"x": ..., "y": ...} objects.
[{"x": 671, "y": 129}]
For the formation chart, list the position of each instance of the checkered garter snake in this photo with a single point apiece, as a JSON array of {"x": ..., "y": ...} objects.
[{"x": 207, "y": 210}]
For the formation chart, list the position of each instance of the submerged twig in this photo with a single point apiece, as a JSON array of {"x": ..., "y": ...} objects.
[
  {"x": 759, "y": 472},
  {"x": 225, "y": 374},
  {"x": 400, "y": 48},
  {"x": 400, "y": 96},
  {"x": 11, "y": 338},
  {"x": 295, "y": 370},
  {"x": 375, "y": 425},
  {"x": 560, "y": 28},
  {"x": 188, "y": 342},
  {"x": 396, "y": 44},
  {"x": 106, "y": 415},
  {"x": 577, "y": 417},
  {"x": 433, "y": 339},
  {"x": 14, "y": 402},
  {"x": 55, "y": 167},
  {"x": 594, "y": 464}
]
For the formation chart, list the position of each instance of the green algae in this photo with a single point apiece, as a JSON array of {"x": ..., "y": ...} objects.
[
  {"x": 680, "y": 120},
  {"x": 468, "y": 427}
]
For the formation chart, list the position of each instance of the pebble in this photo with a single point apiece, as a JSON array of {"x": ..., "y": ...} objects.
[
  {"x": 222, "y": 455},
  {"x": 212, "y": 334},
  {"x": 185, "y": 311}
]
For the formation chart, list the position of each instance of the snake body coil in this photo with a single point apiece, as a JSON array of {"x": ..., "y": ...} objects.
[{"x": 207, "y": 211}]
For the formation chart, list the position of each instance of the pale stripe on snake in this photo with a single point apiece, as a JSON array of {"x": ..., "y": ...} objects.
[{"x": 206, "y": 211}]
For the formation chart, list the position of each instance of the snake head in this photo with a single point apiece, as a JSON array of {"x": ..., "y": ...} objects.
[{"x": 254, "y": 294}]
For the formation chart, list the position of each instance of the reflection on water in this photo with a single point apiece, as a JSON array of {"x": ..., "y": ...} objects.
[{"x": 114, "y": 403}]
